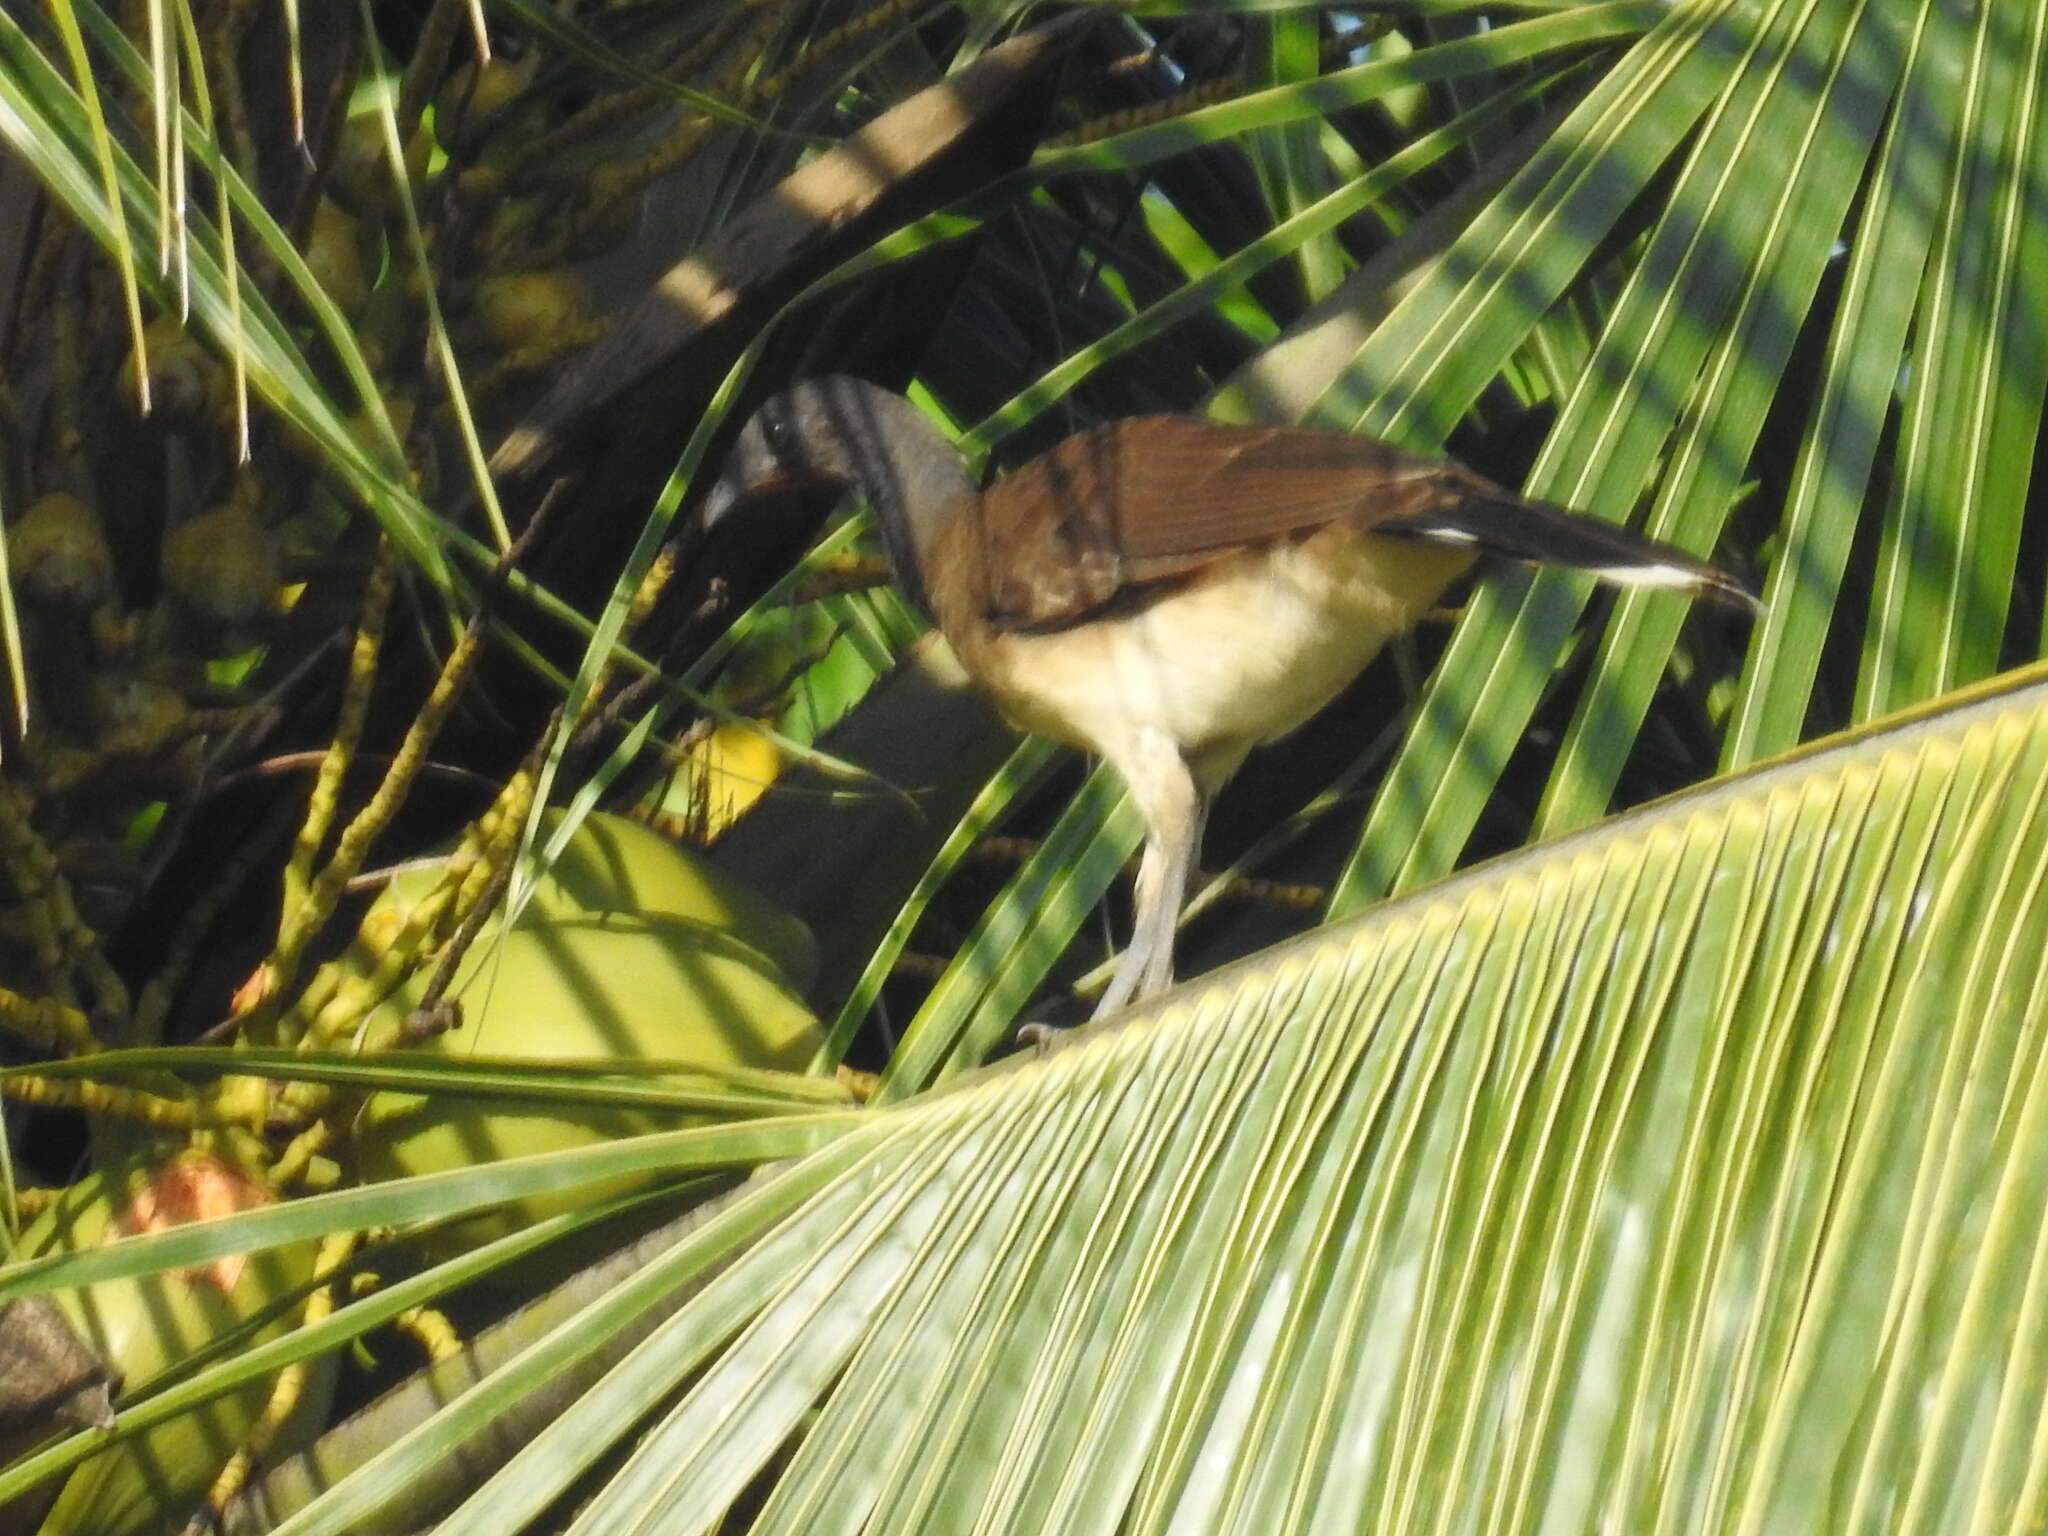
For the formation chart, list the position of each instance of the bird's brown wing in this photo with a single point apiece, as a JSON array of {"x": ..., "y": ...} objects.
[
  {"x": 1113, "y": 513},
  {"x": 1186, "y": 485},
  {"x": 1119, "y": 513}
]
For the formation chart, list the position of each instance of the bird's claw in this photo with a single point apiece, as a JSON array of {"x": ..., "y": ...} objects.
[{"x": 1040, "y": 1037}]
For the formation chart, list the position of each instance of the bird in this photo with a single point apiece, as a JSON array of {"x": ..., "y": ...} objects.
[{"x": 1168, "y": 592}]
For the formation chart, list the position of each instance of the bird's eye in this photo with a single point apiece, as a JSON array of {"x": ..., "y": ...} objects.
[{"x": 779, "y": 432}]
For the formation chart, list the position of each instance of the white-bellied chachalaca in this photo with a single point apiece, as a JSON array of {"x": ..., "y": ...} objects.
[{"x": 1167, "y": 592}]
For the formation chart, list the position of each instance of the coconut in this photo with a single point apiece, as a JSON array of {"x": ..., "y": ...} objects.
[
  {"x": 630, "y": 951},
  {"x": 147, "y": 1325}
]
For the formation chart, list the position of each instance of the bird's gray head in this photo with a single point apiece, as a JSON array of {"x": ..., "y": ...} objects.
[{"x": 840, "y": 431}]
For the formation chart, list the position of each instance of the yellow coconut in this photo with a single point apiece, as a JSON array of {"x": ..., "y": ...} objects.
[
  {"x": 530, "y": 309},
  {"x": 59, "y": 555},
  {"x": 188, "y": 387},
  {"x": 334, "y": 255},
  {"x": 221, "y": 567},
  {"x": 471, "y": 98},
  {"x": 725, "y": 774},
  {"x": 362, "y": 181}
]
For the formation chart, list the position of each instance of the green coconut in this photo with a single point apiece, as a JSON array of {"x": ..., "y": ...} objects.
[
  {"x": 631, "y": 952},
  {"x": 613, "y": 866},
  {"x": 147, "y": 1325}
]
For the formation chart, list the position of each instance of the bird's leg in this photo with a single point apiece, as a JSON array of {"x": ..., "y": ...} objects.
[
  {"x": 1173, "y": 810},
  {"x": 1135, "y": 963},
  {"x": 1161, "y": 905}
]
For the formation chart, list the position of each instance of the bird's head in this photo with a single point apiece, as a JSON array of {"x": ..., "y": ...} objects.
[
  {"x": 785, "y": 446},
  {"x": 845, "y": 432}
]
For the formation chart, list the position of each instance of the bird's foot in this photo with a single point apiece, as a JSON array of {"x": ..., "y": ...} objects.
[{"x": 1041, "y": 1037}]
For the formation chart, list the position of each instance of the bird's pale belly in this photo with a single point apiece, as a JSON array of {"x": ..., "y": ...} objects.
[{"x": 1244, "y": 653}]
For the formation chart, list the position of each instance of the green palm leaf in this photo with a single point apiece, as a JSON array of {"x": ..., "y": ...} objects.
[
  {"x": 1693, "y": 358},
  {"x": 1681, "y": 1174}
]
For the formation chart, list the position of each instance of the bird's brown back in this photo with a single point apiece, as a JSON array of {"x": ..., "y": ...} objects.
[{"x": 1128, "y": 510}]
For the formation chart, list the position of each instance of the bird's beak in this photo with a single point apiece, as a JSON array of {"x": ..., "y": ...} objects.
[
  {"x": 727, "y": 493},
  {"x": 721, "y": 499}
]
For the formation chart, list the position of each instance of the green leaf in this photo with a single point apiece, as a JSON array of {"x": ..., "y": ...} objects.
[{"x": 1672, "y": 1175}]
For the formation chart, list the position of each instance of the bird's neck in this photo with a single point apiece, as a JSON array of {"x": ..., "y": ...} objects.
[{"x": 911, "y": 475}]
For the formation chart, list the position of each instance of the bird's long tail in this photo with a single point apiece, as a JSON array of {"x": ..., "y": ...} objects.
[{"x": 1541, "y": 534}]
